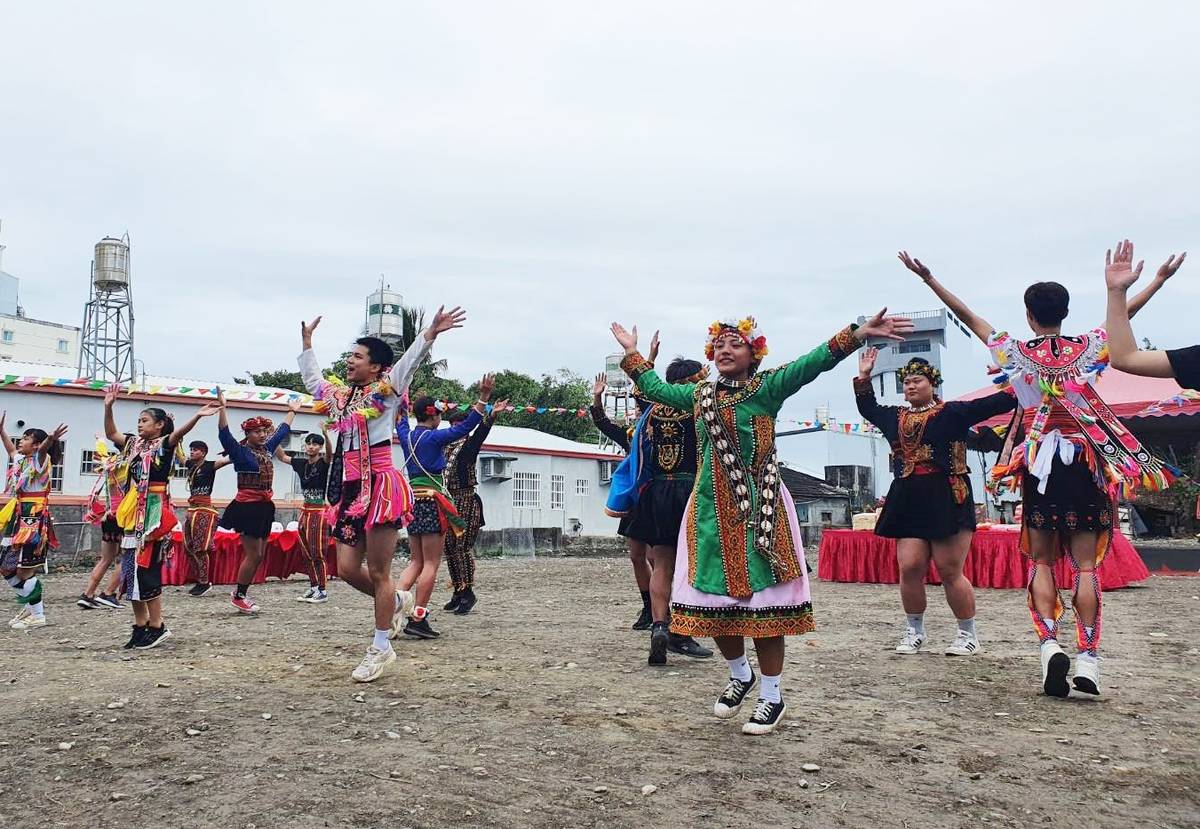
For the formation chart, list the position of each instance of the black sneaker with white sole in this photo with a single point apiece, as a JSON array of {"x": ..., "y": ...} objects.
[
  {"x": 658, "y": 644},
  {"x": 139, "y": 633},
  {"x": 767, "y": 715},
  {"x": 420, "y": 630},
  {"x": 200, "y": 589},
  {"x": 108, "y": 600},
  {"x": 86, "y": 602},
  {"x": 731, "y": 699},
  {"x": 153, "y": 636},
  {"x": 687, "y": 646}
]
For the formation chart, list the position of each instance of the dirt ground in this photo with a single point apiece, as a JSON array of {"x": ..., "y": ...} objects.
[{"x": 539, "y": 710}]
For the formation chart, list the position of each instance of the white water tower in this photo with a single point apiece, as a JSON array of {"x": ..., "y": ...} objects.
[
  {"x": 106, "y": 342},
  {"x": 385, "y": 315}
]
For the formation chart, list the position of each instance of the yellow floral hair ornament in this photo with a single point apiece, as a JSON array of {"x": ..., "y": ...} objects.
[
  {"x": 745, "y": 328},
  {"x": 918, "y": 367}
]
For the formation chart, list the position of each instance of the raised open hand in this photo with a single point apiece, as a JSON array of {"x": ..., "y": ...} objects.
[
  {"x": 915, "y": 265},
  {"x": 888, "y": 328},
  {"x": 501, "y": 407},
  {"x": 220, "y": 397},
  {"x": 209, "y": 409},
  {"x": 486, "y": 386},
  {"x": 111, "y": 393},
  {"x": 653, "y": 348},
  {"x": 626, "y": 339},
  {"x": 1168, "y": 269},
  {"x": 598, "y": 387},
  {"x": 294, "y": 405},
  {"x": 59, "y": 433},
  {"x": 1119, "y": 272},
  {"x": 866, "y": 361},
  {"x": 444, "y": 321},
  {"x": 307, "y": 329}
]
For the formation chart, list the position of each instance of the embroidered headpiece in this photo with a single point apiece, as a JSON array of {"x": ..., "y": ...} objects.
[
  {"x": 917, "y": 367},
  {"x": 746, "y": 328},
  {"x": 250, "y": 424}
]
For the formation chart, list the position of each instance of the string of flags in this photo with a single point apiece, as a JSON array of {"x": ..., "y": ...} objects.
[{"x": 235, "y": 393}]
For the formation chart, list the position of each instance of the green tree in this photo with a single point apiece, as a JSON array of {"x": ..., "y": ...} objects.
[
  {"x": 279, "y": 379},
  {"x": 561, "y": 389}
]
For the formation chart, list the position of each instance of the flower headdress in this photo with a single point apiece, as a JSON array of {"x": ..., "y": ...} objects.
[
  {"x": 917, "y": 367},
  {"x": 437, "y": 407},
  {"x": 250, "y": 424},
  {"x": 746, "y": 328}
]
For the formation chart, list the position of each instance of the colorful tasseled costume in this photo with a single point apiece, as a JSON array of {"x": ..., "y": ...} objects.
[
  {"x": 365, "y": 489},
  {"x": 28, "y": 530},
  {"x": 1062, "y": 422}
]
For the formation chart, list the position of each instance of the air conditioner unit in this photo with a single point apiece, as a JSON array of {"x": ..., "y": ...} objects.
[
  {"x": 607, "y": 468},
  {"x": 495, "y": 468}
]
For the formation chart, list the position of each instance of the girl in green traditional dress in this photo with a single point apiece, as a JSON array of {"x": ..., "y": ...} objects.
[{"x": 739, "y": 570}]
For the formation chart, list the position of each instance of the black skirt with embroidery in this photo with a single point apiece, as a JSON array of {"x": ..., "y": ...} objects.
[
  {"x": 1072, "y": 501},
  {"x": 924, "y": 506}
]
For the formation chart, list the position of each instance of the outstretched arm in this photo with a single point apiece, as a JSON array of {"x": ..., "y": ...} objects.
[
  {"x": 790, "y": 378},
  {"x": 1119, "y": 275},
  {"x": 675, "y": 395},
  {"x": 51, "y": 439},
  {"x": 310, "y": 370},
  {"x": 882, "y": 417},
  {"x": 181, "y": 432},
  {"x": 978, "y": 325},
  {"x": 9, "y": 446},
  {"x": 110, "y": 424}
]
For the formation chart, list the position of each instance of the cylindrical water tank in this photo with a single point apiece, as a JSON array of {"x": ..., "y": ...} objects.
[
  {"x": 383, "y": 313},
  {"x": 614, "y": 375},
  {"x": 822, "y": 414},
  {"x": 110, "y": 269}
]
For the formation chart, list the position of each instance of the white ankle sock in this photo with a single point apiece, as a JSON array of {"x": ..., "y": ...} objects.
[
  {"x": 380, "y": 642},
  {"x": 38, "y": 610},
  {"x": 768, "y": 688},
  {"x": 739, "y": 668},
  {"x": 967, "y": 626},
  {"x": 916, "y": 621}
]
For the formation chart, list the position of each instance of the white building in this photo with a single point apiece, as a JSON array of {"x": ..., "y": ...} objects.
[
  {"x": 26, "y": 340},
  {"x": 527, "y": 479}
]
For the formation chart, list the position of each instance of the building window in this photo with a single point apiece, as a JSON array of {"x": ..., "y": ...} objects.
[
  {"x": 179, "y": 472},
  {"x": 583, "y": 487},
  {"x": 525, "y": 490},
  {"x": 7, "y": 335},
  {"x": 802, "y": 513},
  {"x": 913, "y": 347},
  {"x": 56, "y": 473},
  {"x": 87, "y": 462},
  {"x": 63, "y": 346},
  {"x": 899, "y": 384},
  {"x": 558, "y": 487},
  {"x": 826, "y": 518}
]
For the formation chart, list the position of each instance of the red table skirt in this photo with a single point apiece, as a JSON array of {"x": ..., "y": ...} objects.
[
  {"x": 282, "y": 558},
  {"x": 994, "y": 561}
]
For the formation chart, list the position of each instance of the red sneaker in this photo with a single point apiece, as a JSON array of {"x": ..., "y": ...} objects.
[{"x": 243, "y": 604}]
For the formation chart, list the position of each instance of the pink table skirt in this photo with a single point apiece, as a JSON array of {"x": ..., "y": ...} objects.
[{"x": 994, "y": 561}]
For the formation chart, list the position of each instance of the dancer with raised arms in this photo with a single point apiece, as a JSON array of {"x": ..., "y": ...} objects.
[
  {"x": 1069, "y": 455},
  {"x": 739, "y": 570},
  {"x": 371, "y": 498}
]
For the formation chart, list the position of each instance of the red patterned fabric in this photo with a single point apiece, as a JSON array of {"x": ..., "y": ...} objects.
[
  {"x": 283, "y": 557},
  {"x": 994, "y": 561}
]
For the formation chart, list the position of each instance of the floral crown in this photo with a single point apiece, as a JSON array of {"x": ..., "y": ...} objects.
[
  {"x": 250, "y": 424},
  {"x": 916, "y": 367},
  {"x": 746, "y": 328},
  {"x": 436, "y": 407}
]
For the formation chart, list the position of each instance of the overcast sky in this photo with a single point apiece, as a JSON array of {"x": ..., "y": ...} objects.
[{"x": 553, "y": 166}]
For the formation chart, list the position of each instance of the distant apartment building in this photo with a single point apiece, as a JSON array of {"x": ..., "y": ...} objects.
[{"x": 27, "y": 340}]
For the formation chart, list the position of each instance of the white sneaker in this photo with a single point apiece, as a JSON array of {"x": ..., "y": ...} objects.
[
  {"x": 372, "y": 665},
  {"x": 1055, "y": 666},
  {"x": 964, "y": 644},
  {"x": 22, "y": 614},
  {"x": 912, "y": 641},
  {"x": 1087, "y": 674},
  {"x": 318, "y": 597},
  {"x": 30, "y": 622},
  {"x": 406, "y": 603},
  {"x": 307, "y": 595}
]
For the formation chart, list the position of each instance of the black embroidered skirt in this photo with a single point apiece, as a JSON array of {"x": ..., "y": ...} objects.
[{"x": 924, "y": 506}]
